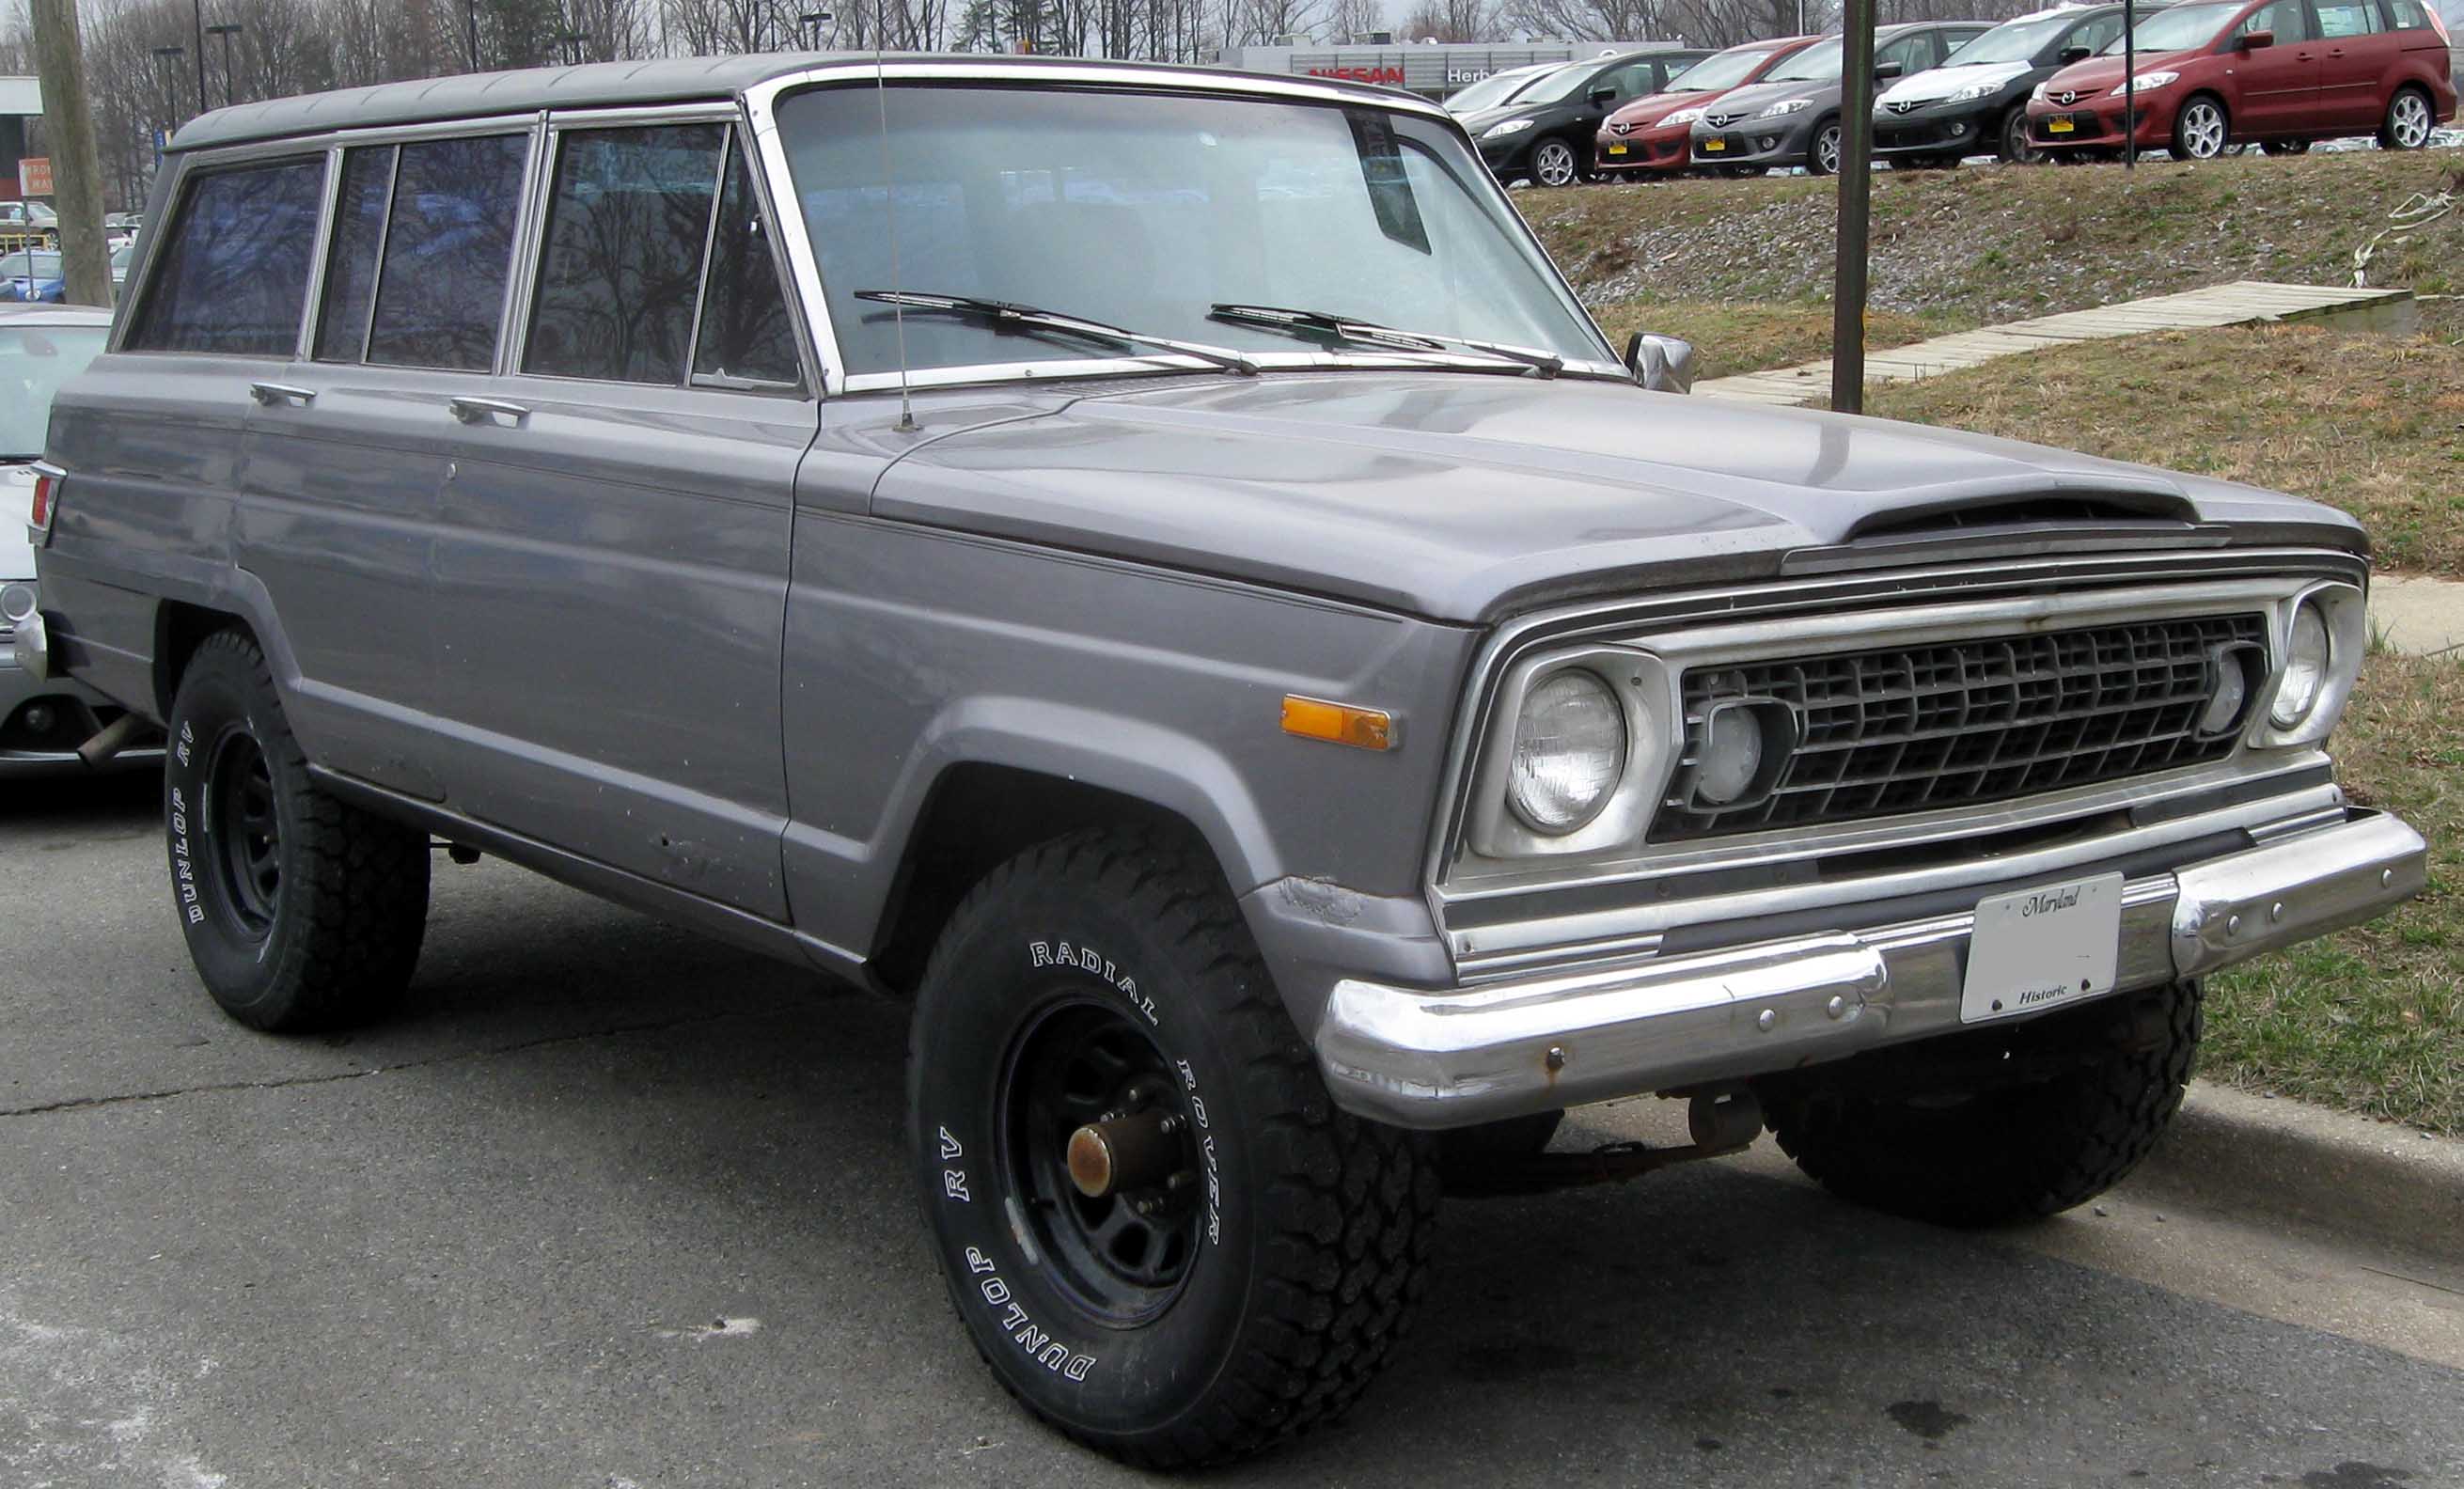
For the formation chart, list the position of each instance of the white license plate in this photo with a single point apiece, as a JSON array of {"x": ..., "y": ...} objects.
[{"x": 2042, "y": 948}]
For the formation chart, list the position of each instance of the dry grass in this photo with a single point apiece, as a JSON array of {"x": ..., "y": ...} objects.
[
  {"x": 2372, "y": 1018},
  {"x": 2371, "y": 424}
]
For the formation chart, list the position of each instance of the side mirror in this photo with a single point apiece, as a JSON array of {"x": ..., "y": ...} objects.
[
  {"x": 2254, "y": 40},
  {"x": 1887, "y": 71},
  {"x": 2070, "y": 55},
  {"x": 1602, "y": 97},
  {"x": 1662, "y": 364}
]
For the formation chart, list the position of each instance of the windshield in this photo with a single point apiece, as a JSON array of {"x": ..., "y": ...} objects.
[
  {"x": 35, "y": 361},
  {"x": 1819, "y": 62},
  {"x": 1493, "y": 90},
  {"x": 1144, "y": 210},
  {"x": 1725, "y": 71},
  {"x": 2013, "y": 41},
  {"x": 42, "y": 266},
  {"x": 2186, "y": 26}
]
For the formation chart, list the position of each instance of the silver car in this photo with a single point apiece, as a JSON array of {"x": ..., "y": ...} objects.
[
  {"x": 42, "y": 720},
  {"x": 1156, "y": 567}
]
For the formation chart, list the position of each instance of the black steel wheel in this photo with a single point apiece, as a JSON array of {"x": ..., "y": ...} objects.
[
  {"x": 1159, "y": 1231},
  {"x": 246, "y": 834}
]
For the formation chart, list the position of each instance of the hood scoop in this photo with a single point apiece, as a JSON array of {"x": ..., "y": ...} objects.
[{"x": 2066, "y": 509}]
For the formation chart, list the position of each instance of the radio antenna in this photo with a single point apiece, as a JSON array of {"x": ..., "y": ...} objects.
[{"x": 890, "y": 210}]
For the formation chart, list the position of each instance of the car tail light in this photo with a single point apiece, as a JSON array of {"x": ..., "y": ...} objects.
[
  {"x": 47, "y": 500},
  {"x": 2437, "y": 23}
]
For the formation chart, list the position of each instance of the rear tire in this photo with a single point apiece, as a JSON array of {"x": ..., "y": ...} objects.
[
  {"x": 300, "y": 911},
  {"x": 2408, "y": 122},
  {"x": 1251, "y": 1277},
  {"x": 1945, "y": 1132}
]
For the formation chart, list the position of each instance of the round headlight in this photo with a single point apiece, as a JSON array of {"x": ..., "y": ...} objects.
[
  {"x": 1732, "y": 756},
  {"x": 2232, "y": 691},
  {"x": 16, "y": 602},
  {"x": 1569, "y": 752},
  {"x": 2305, "y": 668}
]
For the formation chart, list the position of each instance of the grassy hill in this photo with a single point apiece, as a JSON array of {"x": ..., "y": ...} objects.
[{"x": 1976, "y": 246}]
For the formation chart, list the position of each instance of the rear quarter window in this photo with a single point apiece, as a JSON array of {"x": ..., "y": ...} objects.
[{"x": 233, "y": 277}]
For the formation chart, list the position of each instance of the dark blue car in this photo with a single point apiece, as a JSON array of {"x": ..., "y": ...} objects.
[{"x": 35, "y": 274}]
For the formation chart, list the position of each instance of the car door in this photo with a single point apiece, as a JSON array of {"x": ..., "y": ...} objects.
[
  {"x": 612, "y": 556},
  {"x": 2278, "y": 84},
  {"x": 2356, "y": 53},
  {"x": 345, "y": 447}
]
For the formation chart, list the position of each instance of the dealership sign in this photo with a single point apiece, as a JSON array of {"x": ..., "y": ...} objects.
[{"x": 34, "y": 176}]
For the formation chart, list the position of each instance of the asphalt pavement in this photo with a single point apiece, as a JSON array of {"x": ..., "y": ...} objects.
[{"x": 608, "y": 1205}]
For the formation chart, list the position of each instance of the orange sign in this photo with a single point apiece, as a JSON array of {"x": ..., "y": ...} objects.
[{"x": 34, "y": 176}]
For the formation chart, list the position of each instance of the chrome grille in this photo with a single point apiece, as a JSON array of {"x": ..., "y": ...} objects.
[{"x": 1912, "y": 729}]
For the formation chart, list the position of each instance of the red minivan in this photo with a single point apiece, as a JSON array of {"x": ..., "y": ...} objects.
[
  {"x": 2284, "y": 73},
  {"x": 1656, "y": 132}
]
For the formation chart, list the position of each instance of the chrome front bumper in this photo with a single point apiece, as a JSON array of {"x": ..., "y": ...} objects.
[{"x": 1449, "y": 1058}]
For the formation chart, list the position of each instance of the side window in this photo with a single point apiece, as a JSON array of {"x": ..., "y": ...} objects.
[
  {"x": 448, "y": 253},
  {"x": 2346, "y": 18},
  {"x": 233, "y": 278},
  {"x": 621, "y": 262},
  {"x": 1914, "y": 53},
  {"x": 351, "y": 267},
  {"x": 2288, "y": 19},
  {"x": 2407, "y": 16},
  {"x": 2097, "y": 33},
  {"x": 746, "y": 332}
]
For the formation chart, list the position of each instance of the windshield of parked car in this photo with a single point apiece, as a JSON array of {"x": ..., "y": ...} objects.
[
  {"x": 1144, "y": 210},
  {"x": 1562, "y": 84},
  {"x": 1493, "y": 90},
  {"x": 1725, "y": 71},
  {"x": 35, "y": 361},
  {"x": 2013, "y": 41},
  {"x": 42, "y": 266},
  {"x": 2183, "y": 25},
  {"x": 1819, "y": 62}
]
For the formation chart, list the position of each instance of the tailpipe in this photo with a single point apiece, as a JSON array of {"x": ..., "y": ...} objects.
[{"x": 116, "y": 737}]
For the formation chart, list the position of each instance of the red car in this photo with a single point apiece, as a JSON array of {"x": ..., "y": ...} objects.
[
  {"x": 2282, "y": 72},
  {"x": 1651, "y": 133}
]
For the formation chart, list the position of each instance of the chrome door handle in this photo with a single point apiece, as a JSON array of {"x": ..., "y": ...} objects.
[
  {"x": 270, "y": 394},
  {"x": 479, "y": 410}
]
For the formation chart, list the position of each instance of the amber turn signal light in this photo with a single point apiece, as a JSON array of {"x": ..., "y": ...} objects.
[{"x": 1338, "y": 723}]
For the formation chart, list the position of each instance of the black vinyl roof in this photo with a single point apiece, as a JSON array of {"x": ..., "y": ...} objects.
[{"x": 591, "y": 85}]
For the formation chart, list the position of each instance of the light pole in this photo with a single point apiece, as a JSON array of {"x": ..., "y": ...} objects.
[
  {"x": 166, "y": 55},
  {"x": 197, "y": 15},
  {"x": 227, "y": 31}
]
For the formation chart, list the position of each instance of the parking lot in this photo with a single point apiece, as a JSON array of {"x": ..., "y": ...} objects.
[{"x": 610, "y": 1205}]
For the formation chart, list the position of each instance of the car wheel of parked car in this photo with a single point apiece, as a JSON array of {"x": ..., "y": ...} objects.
[
  {"x": 1160, "y": 1230},
  {"x": 2200, "y": 130},
  {"x": 1999, "y": 1122},
  {"x": 1553, "y": 165},
  {"x": 301, "y": 912},
  {"x": 1823, "y": 158},
  {"x": 2408, "y": 120},
  {"x": 2016, "y": 147},
  {"x": 2285, "y": 147},
  {"x": 1743, "y": 172}
]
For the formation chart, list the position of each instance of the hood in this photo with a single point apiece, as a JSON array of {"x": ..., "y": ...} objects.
[
  {"x": 1747, "y": 102},
  {"x": 1651, "y": 108},
  {"x": 1941, "y": 82},
  {"x": 1478, "y": 119},
  {"x": 2099, "y": 75},
  {"x": 1465, "y": 497}
]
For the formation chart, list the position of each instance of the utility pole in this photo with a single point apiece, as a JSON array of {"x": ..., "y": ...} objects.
[
  {"x": 1856, "y": 206},
  {"x": 471, "y": 30},
  {"x": 197, "y": 13},
  {"x": 2129, "y": 85},
  {"x": 76, "y": 170}
]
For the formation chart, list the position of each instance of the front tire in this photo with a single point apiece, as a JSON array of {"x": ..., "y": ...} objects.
[
  {"x": 2408, "y": 122},
  {"x": 1997, "y": 1124},
  {"x": 300, "y": 911},
  {"x": 1553, "y": 164},
  {"x": 2017, "y": 148},
  {"x": 1256, "y": 1253},
  {"x": 2201, "y": 130},
  {"x": 1822, "y": 151}
]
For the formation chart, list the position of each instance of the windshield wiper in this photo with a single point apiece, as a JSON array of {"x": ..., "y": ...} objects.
[
  {"x": 1003, "y": 313},
  {"x": 1329, "y": 326}
]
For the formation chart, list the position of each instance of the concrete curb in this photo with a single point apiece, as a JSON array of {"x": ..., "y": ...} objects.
[{"x": 2233, "y": 1153}]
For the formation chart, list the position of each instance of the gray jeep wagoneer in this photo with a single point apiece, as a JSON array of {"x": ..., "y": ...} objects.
[{"x": 1156, "y": 567}]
